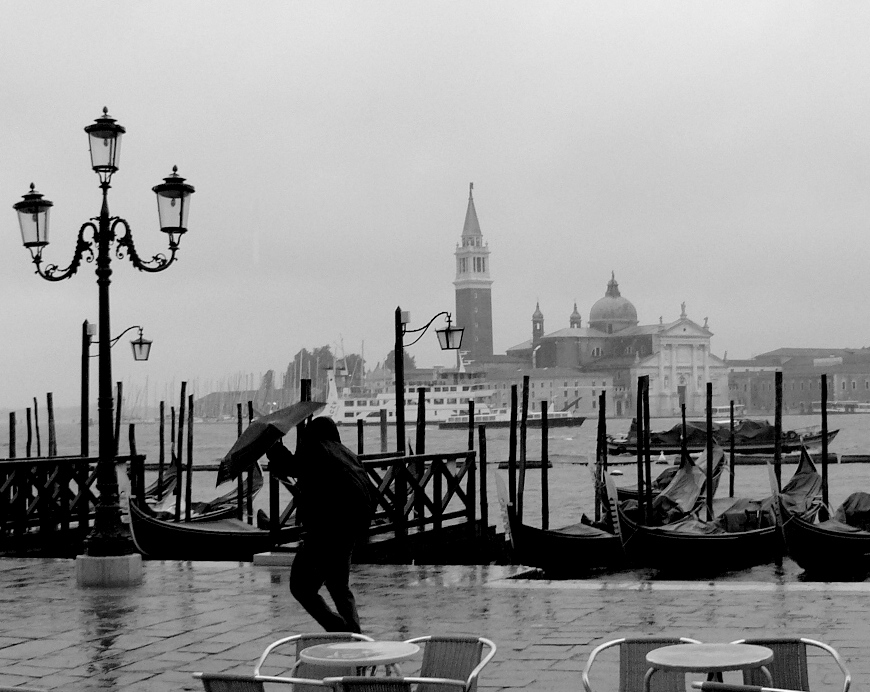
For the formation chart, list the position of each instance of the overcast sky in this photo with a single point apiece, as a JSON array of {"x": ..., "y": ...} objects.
[{"x": 712, "y": 153}]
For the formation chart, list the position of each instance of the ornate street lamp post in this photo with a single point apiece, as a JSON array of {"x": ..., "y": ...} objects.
[
  {"x": 449, "y": 338},
  {"x": 95, "y": 241}
]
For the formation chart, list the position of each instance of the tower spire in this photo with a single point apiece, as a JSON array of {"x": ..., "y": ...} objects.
[{"x": 473, "y": 297}]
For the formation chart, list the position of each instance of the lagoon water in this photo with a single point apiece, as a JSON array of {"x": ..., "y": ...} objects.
[{"x": 570, "y": 488}]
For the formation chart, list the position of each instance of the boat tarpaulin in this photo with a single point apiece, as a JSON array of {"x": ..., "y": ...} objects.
[
  {"x": 855, "y": 511},
  {"x": 687, "y": 490}
]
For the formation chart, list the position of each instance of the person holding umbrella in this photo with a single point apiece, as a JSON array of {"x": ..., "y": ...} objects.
[{"x": 335, "y": 504}]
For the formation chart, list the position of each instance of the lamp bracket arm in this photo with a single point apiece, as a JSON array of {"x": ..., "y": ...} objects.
[
  {"x": 423, "y": 329},
  {"x": 84, "y": 249},
  {"x": 118, "y": 338},
  {"x": 125, "y": 248}
]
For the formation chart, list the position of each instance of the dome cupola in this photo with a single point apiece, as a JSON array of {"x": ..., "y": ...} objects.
[{"x": 612, "y": 313}]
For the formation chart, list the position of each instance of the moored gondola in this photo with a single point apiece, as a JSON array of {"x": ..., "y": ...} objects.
[
  {"x": 744, "y": 535},
  {"x": 750, "y": 437},
  {"x": 213, "y": 540},
  {"x": 572, "y": 550},
  {"x": 830, "y": 548}
]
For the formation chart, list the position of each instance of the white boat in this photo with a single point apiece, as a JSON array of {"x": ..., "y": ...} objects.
[
  {"x": 722, "y": 414},
  {"x": 443, "y": 399},
  {"x": 501, "y": 418},
  {"x": 837, "y": 407}
]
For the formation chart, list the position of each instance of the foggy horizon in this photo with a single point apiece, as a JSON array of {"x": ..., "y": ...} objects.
[{"x": 714, "y": 154}]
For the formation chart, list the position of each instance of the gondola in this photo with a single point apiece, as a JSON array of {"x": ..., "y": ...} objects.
[
  {"x": 750, "y": 437},
  {"x": 225, "y": 505},
  {"x": 830, "y": 548},
  {"x": 572, "y": 550},
  {"x": 744, "y": 535},
  {"x": 214, "y": 539},
  {"x": 629, "y": 492}
]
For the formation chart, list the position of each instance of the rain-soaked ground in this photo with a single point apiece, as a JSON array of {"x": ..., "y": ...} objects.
[{"x": 188, "y": 617}]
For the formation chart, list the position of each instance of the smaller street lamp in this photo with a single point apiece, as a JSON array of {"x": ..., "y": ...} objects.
[{"x": 449, "y": 338}]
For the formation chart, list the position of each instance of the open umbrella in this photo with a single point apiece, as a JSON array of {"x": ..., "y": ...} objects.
[{"x": 261, "y": 434}]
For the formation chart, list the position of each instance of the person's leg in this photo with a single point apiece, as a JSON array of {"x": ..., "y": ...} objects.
[
  {"x": 307, "y": 575},
  {"x": 338, "y": 584}
]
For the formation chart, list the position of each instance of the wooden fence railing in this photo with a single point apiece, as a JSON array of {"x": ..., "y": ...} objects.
[
  {"x": 52, "y": 499},
  {"x": 54, "y": 496},
  {"x": 419, "y": 493}
]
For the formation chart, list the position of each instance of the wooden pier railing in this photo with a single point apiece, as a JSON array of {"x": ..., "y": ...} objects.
[{"x": 47, "y": 500}]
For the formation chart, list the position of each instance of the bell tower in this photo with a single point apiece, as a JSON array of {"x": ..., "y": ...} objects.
[{"x": 473, "y": 292}]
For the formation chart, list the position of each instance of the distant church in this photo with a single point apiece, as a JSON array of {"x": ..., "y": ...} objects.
[{"x": 568, "y": 367}]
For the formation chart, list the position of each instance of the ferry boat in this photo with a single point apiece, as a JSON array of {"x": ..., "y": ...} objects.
[
  {"x": 837, "y": 407},
  {"x": 722, "y": 414},
  {"x": 501, "y": 418},
  {"x": 444, "y": 398}
]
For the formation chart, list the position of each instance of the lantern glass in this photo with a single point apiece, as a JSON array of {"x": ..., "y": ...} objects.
[
  {"x": 33, "y": 212},
  {"x": 104, "y": 138},
  {"x": 173, "y": 204},
  {"x": 450, "y": 338},
  {"x": 141, "y": 348}
]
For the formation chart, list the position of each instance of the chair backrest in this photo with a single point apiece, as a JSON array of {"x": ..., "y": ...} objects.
[
  {"x": 355, "y": 683},
  {"x": 633, "y": 666},
  {"x": 228, "y": 682},
  {"x": 789, "y": 667},
  {"x": 455, "y": 657}
]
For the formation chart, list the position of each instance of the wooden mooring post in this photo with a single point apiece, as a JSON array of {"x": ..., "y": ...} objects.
[
  {"x": 179, "y": 469},
  {"x": 777, "y": 429},
  {"x": 545, "y": 471}
]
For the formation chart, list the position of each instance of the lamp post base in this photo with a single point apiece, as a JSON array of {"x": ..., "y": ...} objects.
[{"x": 117, "y": 570}]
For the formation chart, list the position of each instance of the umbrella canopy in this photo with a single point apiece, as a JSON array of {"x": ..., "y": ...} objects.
[{"x": 261, "y": 434}]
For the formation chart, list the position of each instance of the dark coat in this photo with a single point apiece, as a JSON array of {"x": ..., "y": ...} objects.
[{"x": 335, "y": 494}]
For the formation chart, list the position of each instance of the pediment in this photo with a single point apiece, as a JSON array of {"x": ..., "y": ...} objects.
[{"x": 685, "y": 328}]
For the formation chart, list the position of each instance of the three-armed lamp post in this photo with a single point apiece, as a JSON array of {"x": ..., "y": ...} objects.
[
  {"x": 109, "y": 537},
  {"x": 449, "y": 338}
]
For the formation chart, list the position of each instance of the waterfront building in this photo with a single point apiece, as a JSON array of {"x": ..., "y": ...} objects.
[
  {"x": 615, "y": 349},
  {"x": 473, "y": 287},
  {"x": 751, "y": 382}
]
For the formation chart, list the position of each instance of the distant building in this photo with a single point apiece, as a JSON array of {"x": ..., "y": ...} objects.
[
  {"x": 473, "y": 287},
  {"x": 752, "y": 382},
  {"x": 616, "y": 349}
]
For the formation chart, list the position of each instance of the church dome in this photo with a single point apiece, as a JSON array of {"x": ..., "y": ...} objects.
[{"x": 612, "y": 313}]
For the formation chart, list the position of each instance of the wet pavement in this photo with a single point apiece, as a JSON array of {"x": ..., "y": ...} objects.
[{"x": 188, "y": 617}]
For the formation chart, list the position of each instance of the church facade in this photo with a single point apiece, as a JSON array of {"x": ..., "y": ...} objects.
[{"x": 615, "y": 348}]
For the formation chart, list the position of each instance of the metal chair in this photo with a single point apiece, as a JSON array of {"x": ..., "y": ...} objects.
[
  {"x": 232, "y": 682},
  {"x": 357, "y": 683},
  {"x": 633, "y": 665},
  {"x": 730, "y": 687},
  {"x": 455, "y": 657},
  {"x": 300, "y": 669},
  {"x": 789, "y": 668}
]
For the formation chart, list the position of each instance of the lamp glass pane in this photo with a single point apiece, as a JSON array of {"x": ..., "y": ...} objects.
[
  {"x": 449, "y": 338},
  {"x": 141, "y": 349},
  {"x": 173, "y": 208},
  {"x": 34, "y": 225},
  {"x": 105, "y": 149}
]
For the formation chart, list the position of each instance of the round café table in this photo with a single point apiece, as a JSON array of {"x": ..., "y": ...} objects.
[
  {"x": 360, "y": 654},
  {"x": 713, "y": 659}
]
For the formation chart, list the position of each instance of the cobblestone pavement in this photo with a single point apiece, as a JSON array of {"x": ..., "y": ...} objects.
[{"x": 189, "y": 617}]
